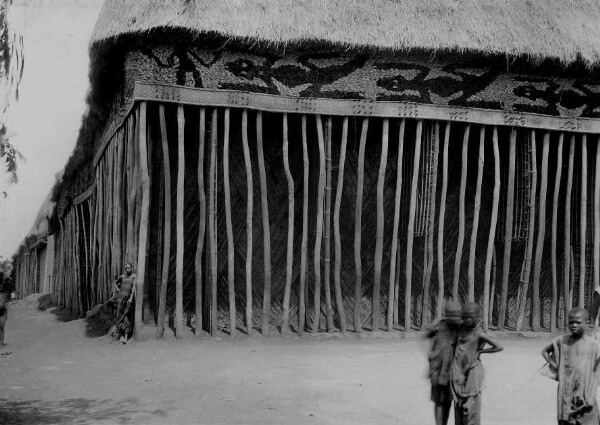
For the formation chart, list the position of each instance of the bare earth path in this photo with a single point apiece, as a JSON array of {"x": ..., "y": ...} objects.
[{"x": 52, "y": 373}]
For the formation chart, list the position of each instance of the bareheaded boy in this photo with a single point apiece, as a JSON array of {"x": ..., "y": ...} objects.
[
  {"x": 443, "y": 334},
  {"x": 467, "y": 371},
  {"x": 575, "y": 358}
]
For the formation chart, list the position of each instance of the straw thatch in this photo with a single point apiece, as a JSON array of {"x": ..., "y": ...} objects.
[{"x": 538, "y": 29}]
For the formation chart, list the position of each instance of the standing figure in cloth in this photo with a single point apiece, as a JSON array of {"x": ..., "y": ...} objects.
[
  {"x": 124, "y": 290},
  {"x": 443, "y": 334},
  {"x": 467, "y": 371},
  {"x": 575, "y": 358}
]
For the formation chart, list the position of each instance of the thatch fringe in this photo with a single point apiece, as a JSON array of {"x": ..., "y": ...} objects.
[{"x": 510, "y": 27}]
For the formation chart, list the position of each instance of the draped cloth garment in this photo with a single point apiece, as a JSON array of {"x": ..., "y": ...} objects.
[
  {"x": 466, "y": 378},
  {"x": 441, "y": 354},
  {"x": 577, "y": 380}
]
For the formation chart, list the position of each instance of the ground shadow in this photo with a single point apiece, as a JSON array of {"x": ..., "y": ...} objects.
[
  {"x": 45, "y": 303},
  {"x": 75, "y": 411}
]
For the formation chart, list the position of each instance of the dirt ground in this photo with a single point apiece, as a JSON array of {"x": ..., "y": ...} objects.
[{"x": 55, "y": 372}]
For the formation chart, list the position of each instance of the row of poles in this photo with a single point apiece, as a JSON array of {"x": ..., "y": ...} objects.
[
  {"x": 119, "y": 209},
  {"x": 28, "y": 273}
]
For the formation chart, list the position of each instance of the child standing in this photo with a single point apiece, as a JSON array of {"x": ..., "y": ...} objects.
[
  {"x": 575, "y": 359},
  {"x": 443, "y": 334},
  {"x": 467, "y": 370}
]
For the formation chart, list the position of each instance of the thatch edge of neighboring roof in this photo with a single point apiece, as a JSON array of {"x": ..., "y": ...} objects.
[{"x": 564, "y": 30}]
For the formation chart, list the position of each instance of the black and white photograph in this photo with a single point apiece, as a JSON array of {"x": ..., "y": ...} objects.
[{"x": 312, "y": 212}]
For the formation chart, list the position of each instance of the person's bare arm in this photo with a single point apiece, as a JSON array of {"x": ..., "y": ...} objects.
[
  {"x": 495, "y": 346},
  {"x": 548, "y": 355},
  {"x": 595, "y": 307},
  {"x": 132, "y": 289}
]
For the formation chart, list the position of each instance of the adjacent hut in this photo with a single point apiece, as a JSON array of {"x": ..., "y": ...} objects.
[
  {"x": 321, "y": 166},
  {"x": 33, "y": 262}
]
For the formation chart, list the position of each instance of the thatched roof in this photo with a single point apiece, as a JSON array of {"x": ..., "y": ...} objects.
[{"x": 562, "y": 29}]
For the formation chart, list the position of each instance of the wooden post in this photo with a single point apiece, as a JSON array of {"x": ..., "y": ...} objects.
[
  {"x": 394, "y": 249},
  {"x": 493, "y": 288},
  {"x": 375, "y": 300},
  {"x": 440, "y": 241},
  {"x": 425, "y": 319},
  {"x": 285, "y": 323},
  {"x": 487, "y": 304},
  {"x": 201, "y": 224},
  {"x": 336, "y": 229},
  {"x": 510, "y": 193},
  {"x": 583, "y": 221},
  {"x": 567, "y": 232},
  {"x": 597, "y": 218},
  {"x": 212, "y": 230},
  {"x": 327, "y": 227},
  {"x": 411, "y": 227},
  {"x": 249, "y": 205},
  {"x": 535, "y": 323},
  {"x": 319, "y": 231},
  {"x": 358, "y": 226},
  {"x": 302, "y": 289},
  {"x": 167, "y": 224},
  {"x": 143, "y": 238},
  {"x": 525, "y": 271},
  {"x": 179, "y": 223},
  {"x": 264, "y": 208},
  {"x": 461, "y": 213},
  {"x": 228, "y": 225},
  {"x": 554, "y": 301},
  {"x": 476, "y": 209}
]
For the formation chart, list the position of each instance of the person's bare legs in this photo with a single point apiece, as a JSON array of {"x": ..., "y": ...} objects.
[{"x": 442, "y": 413}]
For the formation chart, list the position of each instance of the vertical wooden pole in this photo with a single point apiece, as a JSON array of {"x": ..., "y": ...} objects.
[
  {"x": 249, "y": 205},
  {"x": 212, "y": 230},
  {"x": 476, "y": 209},
  {"x": 554, "y": 300},
  {"x": 510, "y": 199},
  {"x": 375, "y": 301},
  {"x": 336, "y": 229},
  {"x": 266, "y": 312},
  {"x": 487, "y": 303},
  {"x": 597, "y": 218},
  {"x": 327, "y": 227},
  {"x": 319, "y": 231},
  {"x": 302, "y": 289},
  {"x": 179, "y": 221},
  {"x": 143, "y": 238},
  {"x": 535, "y": 323},
  {"x": 201, "y": 224},
  {"x": 461, "y": 213},
  {"x": 526, "y": 269},
  {"x": 229, "y": 226},
  {"x": 167, "y": 225},
  {"x": 285, "y": 323},
  {"x": 411, "y": 227},
  {"x": 583, "y": 221},
  {"x": 394, "y": 249},
  {"x": 492, "y": 289},
  {"x": 358, "y": 226},
  {"x": 440, "y": 240},
  {"x": 429, "y": 256},
  {"x": 567, "y": 232}
]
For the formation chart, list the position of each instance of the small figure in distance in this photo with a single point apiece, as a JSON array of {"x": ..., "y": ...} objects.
[
  {"x": 467, "y": 371},
  {"x": 575, "y": 358},
  {"x": 124, "y": 290},
  {"x": 443, "y": 334}
]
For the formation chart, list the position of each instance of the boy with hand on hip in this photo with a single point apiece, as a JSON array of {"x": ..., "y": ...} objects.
[
  {"x": 575, "y": 358},
  {"x": 467, "y": 370}
]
